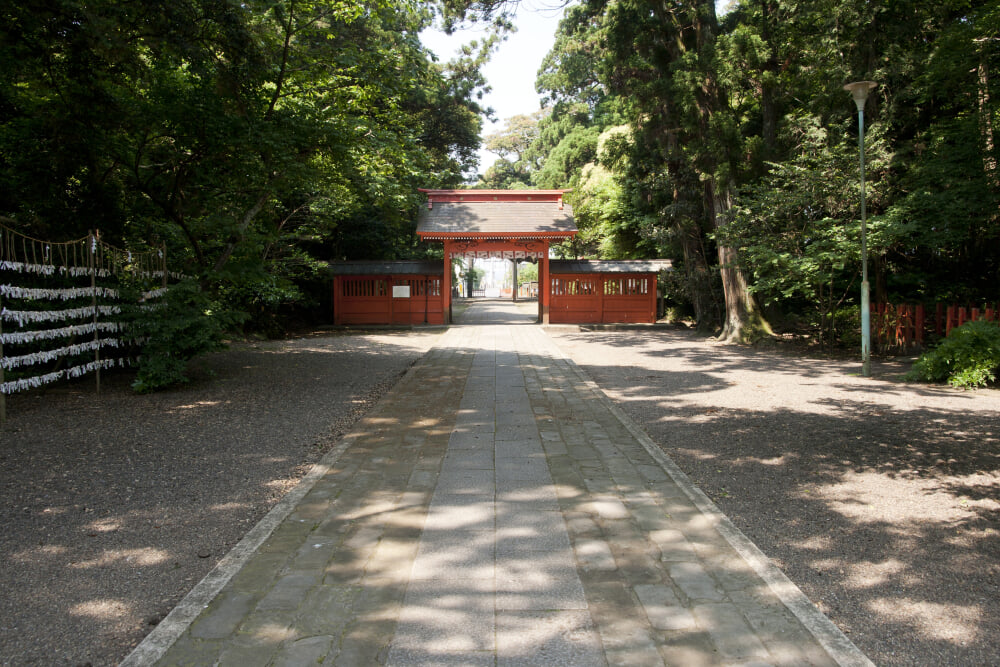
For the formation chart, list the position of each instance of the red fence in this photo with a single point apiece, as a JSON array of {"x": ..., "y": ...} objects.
[
  {"x": 904, "y": 325},
  {"x": 399, "y": 299},
  {"x": 602, "y": 298}
]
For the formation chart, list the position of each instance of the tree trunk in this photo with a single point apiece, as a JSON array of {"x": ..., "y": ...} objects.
[
  {"x": 986, "y": 122},
  {"x": 744, "y": 322}
]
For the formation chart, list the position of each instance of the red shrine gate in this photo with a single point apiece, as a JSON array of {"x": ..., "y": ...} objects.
[{"x": 506, "y": 224}]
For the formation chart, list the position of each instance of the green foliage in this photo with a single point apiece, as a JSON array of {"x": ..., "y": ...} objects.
[
  {"x": 244, "y": 135},
  {"x": 184, "y": 324},
  {"x": 969, "y": 357},
  {"x": 527, "y": 272}
]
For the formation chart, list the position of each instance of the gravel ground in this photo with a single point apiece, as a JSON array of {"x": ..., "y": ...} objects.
[
  {"x": 879, "y": 499},
  {"x": 114, "y": 506}
]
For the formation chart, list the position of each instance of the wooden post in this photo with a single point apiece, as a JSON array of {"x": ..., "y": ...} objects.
[
  {"x": 918, "y": 325},
  {"x": 92, "y": 264},
  {"x": 163, "y": 263},
  {"x": 544, "y": 284},
  {"x": 3, "y": 395},
  {"x": 446, "y": 285},
  {"x": 514, "y": 290}
]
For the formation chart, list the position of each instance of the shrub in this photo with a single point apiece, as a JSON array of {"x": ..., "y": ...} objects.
[
  {"x": 178, "y": 328},
  {"x": 969, "y": 357}
]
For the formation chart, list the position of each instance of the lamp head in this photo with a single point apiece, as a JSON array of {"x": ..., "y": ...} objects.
[{"x": 859, "y": 91}]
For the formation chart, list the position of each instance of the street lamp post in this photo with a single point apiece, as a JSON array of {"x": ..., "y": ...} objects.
[{"x": 859, "y": 91}]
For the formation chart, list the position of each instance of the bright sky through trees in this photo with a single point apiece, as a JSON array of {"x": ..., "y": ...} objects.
[{"x": 512, "y": 70}]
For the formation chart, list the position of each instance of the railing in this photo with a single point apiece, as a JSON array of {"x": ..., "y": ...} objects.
[{"x": 905, "y": 326}]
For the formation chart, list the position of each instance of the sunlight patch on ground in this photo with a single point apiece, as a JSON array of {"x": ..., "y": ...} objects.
[
  {"x": 142, "y": 557},
  {"x": 853, "y": 499},
  {"x": 923, "y": 617},
  {"x": 816, "y": 543},
  {"x": 199, "y": 404},
  {"x": 875, "y": 574},
  {"x": 101, "y": 609},
  {"x": 103, "y": 526}
]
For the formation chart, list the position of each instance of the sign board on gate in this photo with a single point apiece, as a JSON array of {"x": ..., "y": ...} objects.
[{"x": 400, "y": 291}]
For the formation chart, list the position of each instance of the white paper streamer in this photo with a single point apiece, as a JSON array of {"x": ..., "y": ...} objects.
[
  {"x": 29, "y": 337},
  {"x": 24, "y": 384},
  {"x": 48, "y": 269},
  {"x": 13, "y": 292},
  {"x": 23, "y": 316},
  {"x": 154, "y": 294},
  {"x": 45, "y": 356}
]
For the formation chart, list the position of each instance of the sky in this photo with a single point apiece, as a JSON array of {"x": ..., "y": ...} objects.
[{"x": 513, "y": 68}]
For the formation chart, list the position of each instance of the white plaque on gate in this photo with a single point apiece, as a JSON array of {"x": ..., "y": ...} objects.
[{"x": 401, "y": 291}]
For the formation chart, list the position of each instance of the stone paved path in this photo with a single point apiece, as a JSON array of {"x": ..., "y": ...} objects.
[{"x": 495, "y": 509}]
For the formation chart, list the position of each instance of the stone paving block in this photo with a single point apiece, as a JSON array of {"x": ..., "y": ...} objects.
[
  {"x": 258, "y": 572},
  {"x": 523, "y": 469},
  {"x": 733, "y": 573},
  {"x": 326, "y": 610},
  {"x": 729, "y": 631},
  {"x": 528, "y": 448},
  {"x": 651, "y": 518},
  {"x": 288, "y": 592},
  {"x": 637, "y": 566},
  {"x": 462, "y": 514},
  {"x": 467, "y": 459},
  {"x": 538, "y": 580},
  {"x": 455, "y": 555},
  {"x": 423, "y": 479},
  {"x": 625, "y": 633},
  {"x": 472, "y": 482},
  {"x": 424, "y": 658},
  {"x": 593, "y": 554},
  {"x": 663, "y": 609},
  {"x": 607, "y": 507},
  {"x": 694, "y": 581},
  {"x": 673, "y": 545},
  {"x": 548, "y": 639},
  {"x": 223, "y": 615},
  {"x": 307, "y": 651},
  {"x": 580, "y": 525},
  {"x": 446, "y": 617},
  {"x": 599, "y": 483},
  {"x": 554, "y": 447},
  {"x": 287, "y": 537},
  {"x": 235, "y": 655},
  {"x": 392, "y": 559},
  {"x": 525, "y": 530},
  {"x": 652, "y": 473},
  {"x": 515, "y": 431},
  {"x": 313, "y": 554},
  {"x": 469, "y": 440},
  {"x": 266, "y": 630},
  {"x": 787, "y": 642},
  {"x": 188, "y": 652},
  {"x": 691, "y": 648}
]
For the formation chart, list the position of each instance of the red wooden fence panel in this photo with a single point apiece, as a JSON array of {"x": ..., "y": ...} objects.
[
  {"x": 592, "y": 298},
  {"x": 904, "y": 326},
  {"x": 369, "y": 300}
]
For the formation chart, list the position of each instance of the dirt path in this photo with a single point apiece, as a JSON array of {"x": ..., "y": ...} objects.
[{"x": 881, "y": 500}]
